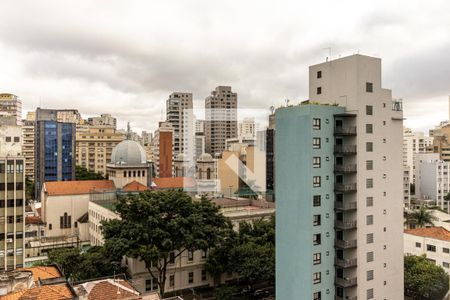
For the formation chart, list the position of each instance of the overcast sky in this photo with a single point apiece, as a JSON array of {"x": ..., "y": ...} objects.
[{"x": 126, "y": 57}]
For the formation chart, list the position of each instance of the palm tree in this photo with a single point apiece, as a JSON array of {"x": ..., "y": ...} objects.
[{"x": 421, "y": 217}]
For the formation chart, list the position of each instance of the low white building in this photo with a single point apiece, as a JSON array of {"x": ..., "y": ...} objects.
[
  {"x": 434, "y": 242},
  {"x": 432, "y": 178}
]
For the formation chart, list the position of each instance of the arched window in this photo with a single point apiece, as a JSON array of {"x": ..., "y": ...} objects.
[
  {"x": 208, "y": 173},
  {"x": 200, "y": 174},
  {"x": 124, "y": 173}
]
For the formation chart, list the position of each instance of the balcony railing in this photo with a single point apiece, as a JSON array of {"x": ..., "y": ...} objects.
[
  {"x": 345, "y": 149},
  {"x": 345, "y": 282},
  {"x": 345, "y": 130},
  {"x": 345, "y": 244},
  {"x": 346, "y": 205},
  {"x": 345, "y": 187},
  {"x": 345, "y": 263},
  {"x": 345, "y": 224},
  {"x": 345, "y": 168}
]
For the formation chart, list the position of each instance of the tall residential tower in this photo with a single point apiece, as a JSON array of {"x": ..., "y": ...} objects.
[{"x": 340, "y": 187}]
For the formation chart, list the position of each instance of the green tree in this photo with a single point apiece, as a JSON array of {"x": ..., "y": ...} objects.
[
  {"x": 421, "y": 217},
  {"x": 158, "y": 227},
  {"x": 29, "y": 189},
  {"x": 224, "y": 293},
  {"x": 81, "y": 173},
  {"x": 423, "y": 279}
]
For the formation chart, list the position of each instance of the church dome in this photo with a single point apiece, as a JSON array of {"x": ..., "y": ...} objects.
[
  {"x": 205, "y": 157},
  {"x": 128, "y": 152},
  {"x": 180, "y": 157}
]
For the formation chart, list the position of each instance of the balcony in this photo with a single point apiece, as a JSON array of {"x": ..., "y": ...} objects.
[
  {"x": 345, "y": 263},
  {"x": 345, "y": 244},
  {"x": 345, "y": 168},
  {"x": 346, "y": 205},
  {"x": 345, "y": 149},
  {"x": 345, "y": 130},
  {"x": 344, "y": 225},
  {"x": 345, "y": 187},
  {"x": 345, "y": 282}
]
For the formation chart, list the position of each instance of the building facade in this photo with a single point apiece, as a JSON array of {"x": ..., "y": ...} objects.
[
  {"x": 162, "y": 150},
  {"x": 413, "y": 143},
  {"x": 11, "y": 106},
  {"x": 94, "y": 146},
  {"x": 12, "y": 198},
  {"x": 221, "y": 119},
  {"x": 103, "y": 120},
  {"x": 180, "y": 116},
  {"x": 361, "y": 153},
  {"x": 54, "y": 148},
  {"x": 28, "y": 145}
]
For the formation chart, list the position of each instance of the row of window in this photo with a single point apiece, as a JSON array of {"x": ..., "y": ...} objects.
[{"x": 369, "y": 87}]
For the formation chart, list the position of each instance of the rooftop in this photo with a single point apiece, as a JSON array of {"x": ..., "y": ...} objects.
[
  {"x": 33, "y": 220},
  {"x": 61, "y": 188},
  {"x": 134, "y": 186},
  {"x": 46, "y": 292},
  {"x": 108, "y": 289},
  {"x": 44, "y": 272},
  {"x": 439, "y": 233}
]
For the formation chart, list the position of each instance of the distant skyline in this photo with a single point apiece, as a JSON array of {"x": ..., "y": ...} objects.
[{"x": 114, "y": 57}]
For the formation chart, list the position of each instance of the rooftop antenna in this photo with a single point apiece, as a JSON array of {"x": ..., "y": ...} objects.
[
  {"x": 329, "y": 53},
  {"x": 272, "y": 109},
  {"x": 287, "y": 102}
]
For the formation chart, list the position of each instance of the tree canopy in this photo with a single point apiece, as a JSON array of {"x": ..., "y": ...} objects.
[
  {"x": 81, "y": 173},
  {"x": 423, "y": 279},
  {"x": 154, "y": 225},
  {"x": 420, "y": 217}
]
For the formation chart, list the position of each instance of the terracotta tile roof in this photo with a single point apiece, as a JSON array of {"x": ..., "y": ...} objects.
[
  {"x": 135, "y": 186},
  {"x": 35, "y": 220},
  {"x": 59, "y": 188},
  {"x": 44, "y": 272},
  {"x": 174, "y": 182},
  {"x": 438, "y": 233},
  {"x": 107, "y": 290},
  {"x": 46, "y": 292}
]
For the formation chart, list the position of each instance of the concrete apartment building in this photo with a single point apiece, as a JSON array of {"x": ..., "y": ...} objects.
[
  {"x": 180, "y": 115},
  {"x": 103, "y": 120},
  {"x": 12, "y": 196},
  {"x": 94, "y": 146},
  {"x": 340, "y": 186},
  {"x": 221, "y": 119},
  {"x": 162, "y": 150},
  {"x": 413, "y": 143},
  {"x": 11, "y": 106},
  {"x": 28, "y": 144},
  {"x": 247, "y": 128},
  {"x": 432, "y": 179},
  {"x": 54, "y": 148},
  {"x": 434, "y": 242}
]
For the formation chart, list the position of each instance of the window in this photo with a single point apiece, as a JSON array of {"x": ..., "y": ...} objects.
[
  {"x": 317, "y": 277},
  {"x": 369, "y": 164},
  {"x": 316, "y": 181},
  {"x": 369, "y": 128},
  {"x": 204, "y": 275},
  {"x": 445, "y": 264},
  {"x": 316, "y": 239},
  {"x": 319, "y": 90},
  {"x": 369, "y": 183},
  {"x": 418, "y": 245},
  {"x": 369, "y": 220},
  {"x": 369, "y": 87},
  {"x": 431, "y": 248},
  {"x": 369, "y": 110},
  {"x": 317, "y": 296},
  {"x": 316, "y": 220},
  {"x": 316, "y": 200},
  {"x": 445, "y": 250},
  {"x": 49, "y": 226},
  {"x": 317, "y": 257},
  {"x": 191, "y": 277},
  {"x": 316, "y": 123},
  {"x": 316, "y": 162},
  {"x": 16, "y": 139},
  {"x": 369, "y": 256},
  {"x": 319, "y": 74},
  {"x": 369, "y": 238},
  {"x": 190, "y": 255},
  {"x": 204, "y": 254},
  {"x": 369, "y": 147},
  {"x": 172, "y": 280},
  {"x": 369, "y": 275},
  {"x": 370, "y": 294},
  {"x": 148, "y": 284},
  {"x": 171, "y": 257},
  {"x": 316, "y": 143},
  {"x": 8, "y": 139}
]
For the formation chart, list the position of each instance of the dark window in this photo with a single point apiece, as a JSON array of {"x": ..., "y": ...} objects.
[
  {"x": 172, "y": 257},
  {"x": 319, "y": 90},
  {"x": 431, "y": 248},
  {"x": 369, "y": 110},
  {"x": 10, "y": 202},
  {"x": 204, "y": 275},
  {"x": 316, "y": 123},
  {"x": 317, "y": 257},
  {"x": 319, "y": 74},
  {"x": 316, "y": 220},
  {"x": 316, "y": 200},
  {"x": 316, "y": 239},
  {"x": 191, "y": 277},
  {"x": 369, "y": 87}
]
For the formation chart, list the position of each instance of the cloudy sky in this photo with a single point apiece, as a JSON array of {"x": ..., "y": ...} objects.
[{"x": 126, "y": 57}]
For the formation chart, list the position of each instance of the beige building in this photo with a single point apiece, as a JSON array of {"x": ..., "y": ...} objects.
[
  {"x": 103, "y": 120},
  {"x": 94, "y": 146},
  {"x": 180, "y": 116},
  {"x": 188, "y": 270},
  {"x": 28, "y": 144},
  {"x": 12, "y": 197},
  {"x": 221, "y": 119},
  {"x": 414, "y": 143},
  {"x": 11, "y": 106}
]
